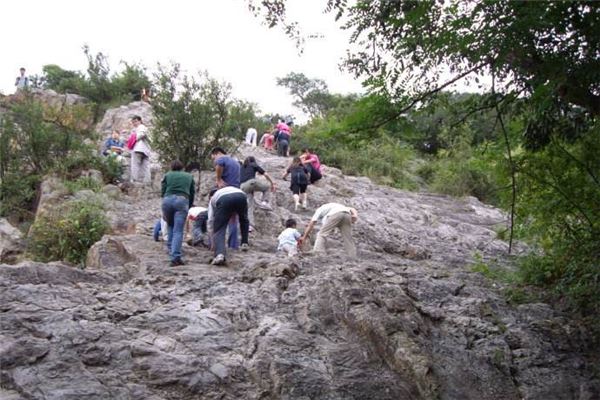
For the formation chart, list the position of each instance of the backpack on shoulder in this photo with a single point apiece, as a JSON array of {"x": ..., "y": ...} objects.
[{"x": 299, "y": 176}]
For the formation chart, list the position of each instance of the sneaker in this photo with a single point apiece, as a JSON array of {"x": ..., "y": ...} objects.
[
  {"x": 296, "y": 207},
  {"x": 218, "y": 260},
  {"x": 265, "y": 206},
  {"x": 177, "y": 262},
  {"x": 304, "y": 205},
  {"x": 244, "y": 247}
]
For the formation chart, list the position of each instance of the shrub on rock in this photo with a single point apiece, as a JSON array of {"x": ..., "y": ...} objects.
[{"x": 67, "y": 232}]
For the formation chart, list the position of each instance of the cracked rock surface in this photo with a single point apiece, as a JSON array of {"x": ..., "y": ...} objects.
[{"x": 408, "y": 319}]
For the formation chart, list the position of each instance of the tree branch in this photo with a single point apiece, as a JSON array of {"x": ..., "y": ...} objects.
[{"x": 420, "y": 98}]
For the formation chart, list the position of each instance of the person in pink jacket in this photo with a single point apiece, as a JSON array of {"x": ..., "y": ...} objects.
[{"x": 312, "y": 163}]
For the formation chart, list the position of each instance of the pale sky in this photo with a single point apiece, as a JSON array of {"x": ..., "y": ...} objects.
[{"x": 221, "y": 36}]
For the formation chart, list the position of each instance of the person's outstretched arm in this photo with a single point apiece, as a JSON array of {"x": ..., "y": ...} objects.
[{"x": 270, "y": 181}]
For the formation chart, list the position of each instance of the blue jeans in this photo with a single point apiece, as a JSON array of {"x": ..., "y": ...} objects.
[
  {"x": 175, "y": 209},
  {"x": 233, "y": 240},
  {"x": 156, "y": 232}
]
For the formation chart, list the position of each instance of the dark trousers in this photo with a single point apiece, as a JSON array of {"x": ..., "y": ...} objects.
[
  {"x": 282, "y": 147},
  {"x": 227, "y": 206}
]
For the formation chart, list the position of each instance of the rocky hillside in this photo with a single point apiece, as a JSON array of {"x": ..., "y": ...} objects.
[{"x": 407, "y": 320}]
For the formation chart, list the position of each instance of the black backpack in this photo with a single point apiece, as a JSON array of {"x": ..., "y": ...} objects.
[{"x": 299, "y": 176}]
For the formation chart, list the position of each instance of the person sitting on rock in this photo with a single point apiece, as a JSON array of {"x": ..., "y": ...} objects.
[
  {"x": 250, "y": 185},
  {"x": 223, "y": 204},
  {"x": 177, "y": 191},
  {"x": 113, "y": 146},
  {"x": 311, "y": 161},
  {"x": 288, "y": 239},
  {"x": 299, "y": 182},
  {"x": 333, "y": 215}
]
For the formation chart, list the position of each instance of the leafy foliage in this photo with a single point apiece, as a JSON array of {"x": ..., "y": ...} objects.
[
  {"x": 311, "y": 95},
  {"x": 67, "y": 233},
  {"x": 36, "y": 140},
  {"x": 98, "y": 84},
  {"x": 192, "y": 116}
]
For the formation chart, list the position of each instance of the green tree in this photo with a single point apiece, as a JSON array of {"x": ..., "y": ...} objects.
[
  {"x": 35, "y": 139},
  {"x": 311, "y": 95},
  {"x": 98, "y": 84},
  {"x": 193, "y": 115}
]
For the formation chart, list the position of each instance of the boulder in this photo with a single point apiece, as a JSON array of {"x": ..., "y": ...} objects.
[
  {"x": 11, "y": 242},
  {"x": 111, "y": 256},
  {"x": 53, "y": 192},
  {"x": 120, "y": 118}
]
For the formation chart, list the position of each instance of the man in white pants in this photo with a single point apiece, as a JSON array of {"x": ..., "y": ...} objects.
[
  {"x": 333, "y": 215},
  {"x": 140, "y": 154},
  {"x": 251, "y": 136}
]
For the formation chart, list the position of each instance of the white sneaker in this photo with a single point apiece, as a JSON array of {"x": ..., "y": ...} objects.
[
  {"x": 296, "y": 207},
  {"x": 304, "y": 205},
  {"x": 218, "y": 260},
  {"x": 244, "y": 247},
  {"x": 265, "y": 206}
]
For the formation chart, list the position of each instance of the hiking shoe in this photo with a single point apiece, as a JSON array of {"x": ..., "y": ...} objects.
[
  {"x": 177, "y": 262},
  {"x": 265, "y": 206},
  {"x": 244, "y": 247},
  {"x": 218, "y": 260}
]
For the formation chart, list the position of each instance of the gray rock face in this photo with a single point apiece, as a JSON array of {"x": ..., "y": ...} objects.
[
  {"x": 120, "y": 118},
  {"x": 11, "y": 242},
  {"x": 407, "y": 320}
]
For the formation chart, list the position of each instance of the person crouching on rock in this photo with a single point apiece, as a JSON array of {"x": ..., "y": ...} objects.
[
  {"x": 333, "y": 215},
  {"x": 288, "y": 239},
  {"x": 223, "y": 204},
  {"x": 311, "y": 161},
  {"x": 177, "y": 190}
]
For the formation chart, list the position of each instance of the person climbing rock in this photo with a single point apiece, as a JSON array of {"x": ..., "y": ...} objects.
[
  {"x": 251, "y": 136},
  {"x": 227, "y": 173},
  {"x": 288, "y": 238},
  {"x": 197, "y": 217},
  {"x": 250, "y": 184},
  {"x": 282, "y": 138},
  {"x": 177, "y": 191},
  {"x": 226, "y": 168},
  {"x": 311, "y": 161},
  {"x": 333, "y": 215},
  {"x": 299, "y": 182},
  {"x": 266, "y": 141},
  {"x": 223, "y": 204}
]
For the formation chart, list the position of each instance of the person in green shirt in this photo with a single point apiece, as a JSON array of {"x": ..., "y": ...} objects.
[{"x": 177, "y": 192}]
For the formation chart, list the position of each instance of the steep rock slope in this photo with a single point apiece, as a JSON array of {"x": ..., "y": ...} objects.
[{"x": 407, "y": 320}]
